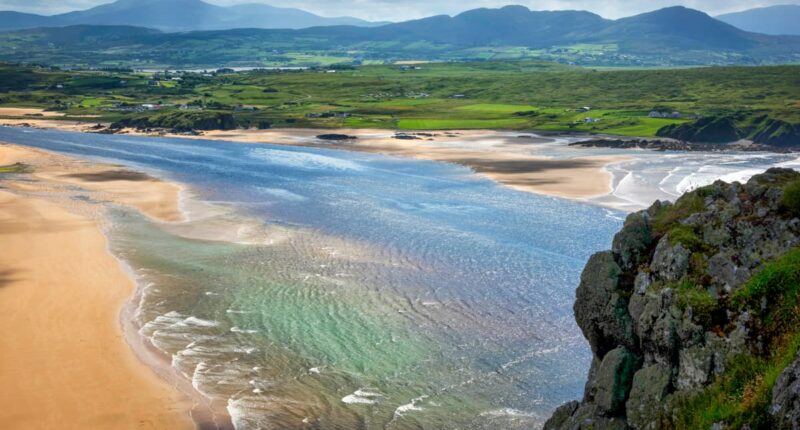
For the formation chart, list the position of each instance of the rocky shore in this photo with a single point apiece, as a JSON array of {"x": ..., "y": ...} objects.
[
  {"x": 678, "y": 145},
  {"x": 693, "y": 314}
]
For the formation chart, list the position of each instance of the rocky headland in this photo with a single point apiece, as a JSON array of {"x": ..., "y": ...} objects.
[{"x": 693, "y": 316}]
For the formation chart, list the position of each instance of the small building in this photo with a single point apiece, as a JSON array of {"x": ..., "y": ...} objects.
[
  {"x": 590, "y": 120},
  {"x": 657, "y": 114}
]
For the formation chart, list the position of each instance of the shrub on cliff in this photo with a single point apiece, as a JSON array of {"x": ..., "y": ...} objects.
[{"x": 791, "y": 197}]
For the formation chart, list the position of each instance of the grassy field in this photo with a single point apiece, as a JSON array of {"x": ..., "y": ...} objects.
[{"x": 519, "y": 95}]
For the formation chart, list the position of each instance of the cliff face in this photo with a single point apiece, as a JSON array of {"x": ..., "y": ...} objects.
[{"x": 693, "y": 315}]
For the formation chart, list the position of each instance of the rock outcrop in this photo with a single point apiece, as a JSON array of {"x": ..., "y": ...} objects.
[
  {"x": 680, "y": 299},
  {"x": 762, "y": 130}
]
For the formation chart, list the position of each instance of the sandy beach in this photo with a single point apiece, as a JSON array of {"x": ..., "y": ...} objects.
[
  {"x": 504, "y": 157},
  {"x": 65, "y": 362}
]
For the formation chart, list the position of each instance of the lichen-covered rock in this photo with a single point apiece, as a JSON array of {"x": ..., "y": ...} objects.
[
  {"x": 785, "y": 408},
  {"x": 601, "y": 309},
  {"x": 695, "y": 367},
  {"x": 613, "y": 381},
  {"x": 645, "y": 406},
  {"x": 586, "y": 417},
  {"x": 561, "y": 416},
  {"x": 632, "y": 244},
  {"x": 662, "y": 326},
  {"x": 670, "y": 263},
  {"x": 725, "y": 273}
]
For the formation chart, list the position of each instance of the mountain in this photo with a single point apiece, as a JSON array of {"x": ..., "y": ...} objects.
[
  {"x": 19, "y": 21},
  {"x": 691, "y": 316},
  {"x": 775, "y": 20},
  {"x": 677, "y": 28},
  {"x": 510, "y": 25},
  {"x": 665, "y": 30},
  {"x": 671, "y": 36},
  {"x": 178, "y": 15}
]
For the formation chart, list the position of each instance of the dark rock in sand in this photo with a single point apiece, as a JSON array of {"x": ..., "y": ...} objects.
[{"x": 336, "y": 137}]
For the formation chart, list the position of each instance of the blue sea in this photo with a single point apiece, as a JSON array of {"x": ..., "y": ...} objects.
[{"x": 326, "y": 289}]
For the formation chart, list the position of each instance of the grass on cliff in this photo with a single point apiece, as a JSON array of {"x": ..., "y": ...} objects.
[
  {"x": 791, "y": 197},
  {"x": 744, "y": 393}
]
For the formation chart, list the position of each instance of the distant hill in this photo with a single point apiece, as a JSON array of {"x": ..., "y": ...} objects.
[
  {"x": 510, "y": 25},
  {"x": 671, "y": 36},
  {"x": 178, "y": 15},
  {"x": 676, "y": 28},
  {"x": 775, "y": 20}
]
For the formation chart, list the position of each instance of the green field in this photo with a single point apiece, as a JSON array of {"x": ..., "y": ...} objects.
[{"x": 518, "y": 95}]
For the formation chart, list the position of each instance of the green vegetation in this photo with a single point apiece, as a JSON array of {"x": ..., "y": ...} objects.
[
  {"x": 743, "y": 394},
  {"x": 779, "y": 284},
  {"x": 15, "y": 168},
  {"x": 666, "y": 219},
  {"x": 703, "y": 304},
  {"x": 791, "y": 197},
  {"x": 518, "y": 95}
]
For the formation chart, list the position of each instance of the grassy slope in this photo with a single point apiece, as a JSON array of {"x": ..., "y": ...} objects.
[{"x": 507, "y": 95}]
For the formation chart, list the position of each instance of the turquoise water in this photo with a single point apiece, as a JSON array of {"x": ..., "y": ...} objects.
[{"x": 361, "y": 291}]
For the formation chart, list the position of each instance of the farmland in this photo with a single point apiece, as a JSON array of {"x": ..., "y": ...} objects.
[{"x": 518, "y": 95}]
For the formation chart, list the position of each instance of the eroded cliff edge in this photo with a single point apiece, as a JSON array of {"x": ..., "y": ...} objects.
[{"x": 693, "y": 316}]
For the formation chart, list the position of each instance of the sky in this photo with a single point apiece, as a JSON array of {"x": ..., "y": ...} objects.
[{"x": 397, "y": 10}]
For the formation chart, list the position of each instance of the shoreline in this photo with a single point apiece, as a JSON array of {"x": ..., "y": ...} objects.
[
  {"x": 67, "y": 296},
  {"x": 505, "y": 157}
]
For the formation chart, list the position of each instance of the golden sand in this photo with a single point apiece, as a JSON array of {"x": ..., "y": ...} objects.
[{"x": 64, "y": 362}]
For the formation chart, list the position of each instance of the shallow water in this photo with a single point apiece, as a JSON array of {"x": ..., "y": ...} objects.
[{"x": 354, "y": 290}]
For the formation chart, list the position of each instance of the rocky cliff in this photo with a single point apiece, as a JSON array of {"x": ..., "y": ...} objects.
[{"x": 693, "y": 316}]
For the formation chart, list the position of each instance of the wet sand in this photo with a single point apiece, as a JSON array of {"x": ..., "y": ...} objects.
[{"x": 64, "y": 361}]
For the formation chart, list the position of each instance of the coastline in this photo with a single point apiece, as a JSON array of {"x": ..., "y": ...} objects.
[
  {"x": 507, "y": 158},
  {"x": 65, "y": 361}
]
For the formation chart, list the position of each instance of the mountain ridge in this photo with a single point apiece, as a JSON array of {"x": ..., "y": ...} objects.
[
  {"x": 670, "y": 36},
  {"x": 773, "y": 20},
  {"x": 178, "y": 15}
]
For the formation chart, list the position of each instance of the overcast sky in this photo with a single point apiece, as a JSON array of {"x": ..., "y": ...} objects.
[{"x": 396, "y": 10}]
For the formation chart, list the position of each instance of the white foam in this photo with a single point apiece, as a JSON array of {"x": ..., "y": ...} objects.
[
  {"x": 314, "y": 370},
  {"x": 283, "y": 194},
  {"x": 200, "y": 322},
  {"x": 528, "y": 356},
  {"x": 304, "y": 160},
  {"x": 362, "y": 397},
  {"x": 409, "y": 407},
  {"x": 241, "y": 330},
  {"x": 509, "y": 412}
]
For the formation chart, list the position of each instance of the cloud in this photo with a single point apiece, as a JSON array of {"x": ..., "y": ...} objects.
[{"x": 396, "y": 10}]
